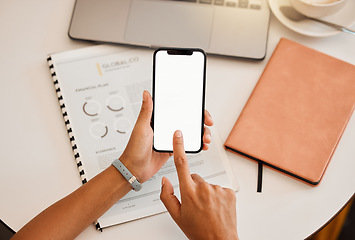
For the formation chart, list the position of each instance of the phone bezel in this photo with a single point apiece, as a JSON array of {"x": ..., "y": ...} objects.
[{"x": 177, "y": 51}]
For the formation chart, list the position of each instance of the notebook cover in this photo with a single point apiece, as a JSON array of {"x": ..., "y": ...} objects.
[{"x": 297, "y": 112}]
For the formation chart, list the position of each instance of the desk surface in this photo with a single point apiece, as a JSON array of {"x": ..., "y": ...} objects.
[{"x": 37, "y": 166}]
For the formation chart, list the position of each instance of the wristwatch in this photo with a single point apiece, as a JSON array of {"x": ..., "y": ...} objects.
[{"x": 127, "y": 175}]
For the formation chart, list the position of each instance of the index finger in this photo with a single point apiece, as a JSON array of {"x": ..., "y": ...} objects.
[{"x": 180, "y": 159}]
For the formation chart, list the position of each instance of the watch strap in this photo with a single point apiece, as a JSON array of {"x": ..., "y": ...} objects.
[{"x": 127, "y": 175}]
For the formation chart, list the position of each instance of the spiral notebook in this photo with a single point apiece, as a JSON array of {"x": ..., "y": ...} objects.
[
  {"x": 99, "y": 91},
  {"x": 297, "y": 112}
]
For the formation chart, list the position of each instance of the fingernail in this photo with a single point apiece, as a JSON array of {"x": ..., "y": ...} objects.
[
  {"x": 178, "y": 133},
  {"x": 210, "y": 116},
  {"x": 208, "y": 136},
  {"x": 144, "y": 95},
  {"x": 163, "y": 181}
]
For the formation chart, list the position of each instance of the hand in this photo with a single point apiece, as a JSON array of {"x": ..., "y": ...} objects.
[
  {"x": 139, "y": 156},
  {"x": 206, "y": 211}
]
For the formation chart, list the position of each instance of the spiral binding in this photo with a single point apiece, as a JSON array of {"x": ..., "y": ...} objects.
[
  {"x": 69, "y": 129},
  {"x": 98, "y": 227},
  {"x": 66, "y": 120}
]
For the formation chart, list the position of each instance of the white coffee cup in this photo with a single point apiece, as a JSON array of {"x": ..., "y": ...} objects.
[{"x": 317, "y": 8}]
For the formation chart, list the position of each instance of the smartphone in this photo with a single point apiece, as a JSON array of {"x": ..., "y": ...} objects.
[{"x": 179, "y": 80}]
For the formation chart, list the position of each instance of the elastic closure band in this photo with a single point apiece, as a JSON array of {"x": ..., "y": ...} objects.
[{"x": 260, "y": 176}]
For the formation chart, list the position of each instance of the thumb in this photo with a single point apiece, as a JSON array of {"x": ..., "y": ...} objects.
[
  {"x": 145, "y": 114},
  {"x": 169, "y": 200}
]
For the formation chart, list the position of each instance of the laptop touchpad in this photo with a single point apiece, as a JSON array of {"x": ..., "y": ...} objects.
[{"x": 169, "y": 23}]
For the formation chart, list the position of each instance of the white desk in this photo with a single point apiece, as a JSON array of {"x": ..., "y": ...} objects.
[{"x": 37, "y": 165}]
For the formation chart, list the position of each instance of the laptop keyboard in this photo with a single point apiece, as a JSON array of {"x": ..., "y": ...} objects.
[{"x": 248, "y": 4}]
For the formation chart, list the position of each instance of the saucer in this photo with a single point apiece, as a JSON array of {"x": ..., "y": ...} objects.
[{"x": 344, "y": 17}]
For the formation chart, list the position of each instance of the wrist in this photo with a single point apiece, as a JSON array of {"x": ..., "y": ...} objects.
[
  {"x": 127, "y": 174},
  {"x": 131, "y": 167},
  {"x": 118, "y": 179}
]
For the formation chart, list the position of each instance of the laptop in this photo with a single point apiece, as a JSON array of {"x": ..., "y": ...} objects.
[{"x": 236, "y": 28}]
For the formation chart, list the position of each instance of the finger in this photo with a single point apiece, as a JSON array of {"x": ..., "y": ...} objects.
[
  {"x": 180, "y": 159},
  {"x": 205, "y": 147},
  {"x": 170, "y": 201},
  {"x": 208, "y": 118},
  {"x": 207, "y": 135},
  {"x": 145, "y": 114},
  {"x": 197, "y": 178}
]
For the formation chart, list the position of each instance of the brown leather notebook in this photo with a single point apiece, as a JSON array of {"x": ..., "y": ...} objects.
[{"x": 297, "y": 112}]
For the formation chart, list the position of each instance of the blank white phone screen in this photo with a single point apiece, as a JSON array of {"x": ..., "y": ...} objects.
[{"x": 178, "y": 99}]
